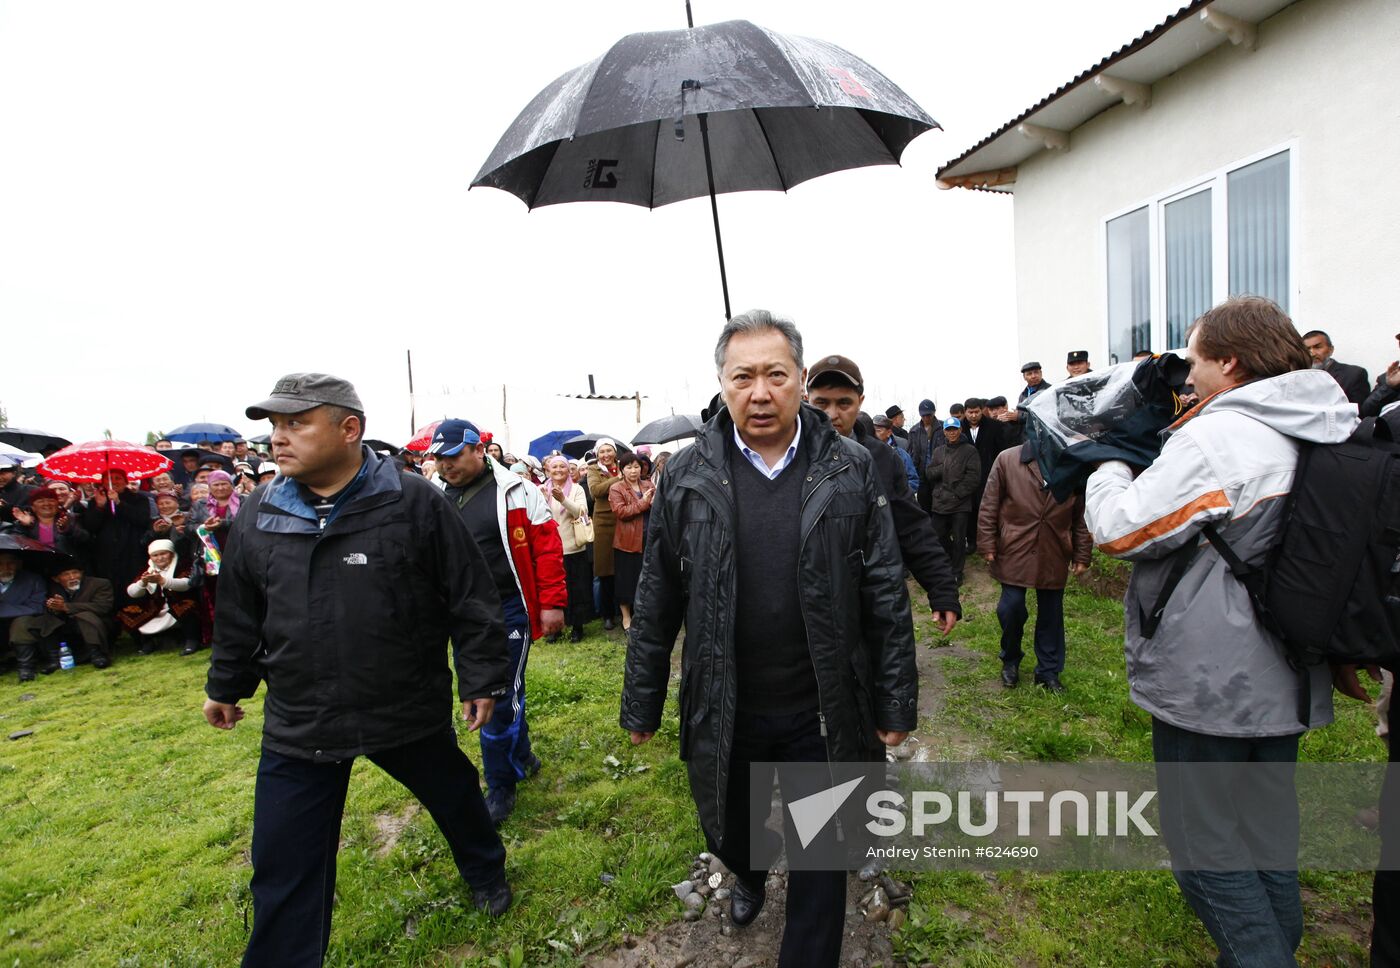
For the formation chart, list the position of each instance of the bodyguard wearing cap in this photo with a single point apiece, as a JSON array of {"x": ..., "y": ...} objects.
[
  {"x": 342, "y": 582},
  {"x": 953, "y": 476},
  {"x": 512, "y": 525}
]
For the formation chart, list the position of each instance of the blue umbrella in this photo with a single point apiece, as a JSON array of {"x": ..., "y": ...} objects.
[
  {"x": 542, "y": 447},
  {"x": 195, "y": 432}
]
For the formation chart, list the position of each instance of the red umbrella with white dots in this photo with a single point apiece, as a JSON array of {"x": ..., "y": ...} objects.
[{"x": 91, "y": 461}]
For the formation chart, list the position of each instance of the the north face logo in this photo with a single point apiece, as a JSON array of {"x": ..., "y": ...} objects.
[{"x": 357, "y": 558}]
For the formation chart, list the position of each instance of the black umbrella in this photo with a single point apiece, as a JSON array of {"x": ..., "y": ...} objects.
[
  {"x": 34, "y": 441},
  {"x": 36, "y": 555},
  {"x": 381, "y": 447},
  {"x": 678, "y": 426},
  {"x": 778, "y": 110},
  {"x": 578, "y": 446}
]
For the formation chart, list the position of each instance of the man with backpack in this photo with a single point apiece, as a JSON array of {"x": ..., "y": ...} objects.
[{"x": 1218, "y": 684}]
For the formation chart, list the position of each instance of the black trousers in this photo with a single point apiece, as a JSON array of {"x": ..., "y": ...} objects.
[
  {"x": 952, "y": 534},
  {"x": 578, "y": 580},
  {"x": 816, "y": 901},
  {"x": 296, "y": 831}
]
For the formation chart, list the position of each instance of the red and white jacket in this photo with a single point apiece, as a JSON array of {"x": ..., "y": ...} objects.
[{"x": 529, "y": 533}]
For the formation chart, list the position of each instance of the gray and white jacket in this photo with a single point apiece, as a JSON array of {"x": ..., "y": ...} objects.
[{"x": 1211, "y": 668}]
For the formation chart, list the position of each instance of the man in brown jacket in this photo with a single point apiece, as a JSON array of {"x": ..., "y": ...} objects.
[{"x": 1030, "y": 540}]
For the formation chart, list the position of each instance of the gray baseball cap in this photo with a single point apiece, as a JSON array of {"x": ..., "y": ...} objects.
[{"x": 297, "y": 392}]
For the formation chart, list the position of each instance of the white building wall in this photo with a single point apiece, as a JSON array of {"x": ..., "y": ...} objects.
[{"x": 1324, "y": 75}]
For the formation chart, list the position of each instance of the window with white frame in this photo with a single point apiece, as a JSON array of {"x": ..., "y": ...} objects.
[{"x": 1173, "y": 257}]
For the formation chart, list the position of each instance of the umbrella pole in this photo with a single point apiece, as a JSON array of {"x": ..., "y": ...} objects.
[
  {"x": 714, "y": 207},
  {"x": 710, "y": 176}
]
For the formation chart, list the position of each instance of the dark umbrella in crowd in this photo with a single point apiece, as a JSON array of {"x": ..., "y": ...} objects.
[
  {"x": 264, "y": 441},
  {"x": 381, "y": 446},
  {"x": 771, "y": 112},
  {"x": 576, "y": 447},
  {"x": 35, "y": 441},
  {"x": 678, "y": 426},
  {"x": 547, "y": 444},
  {"x": 35, "y": 554},
  {"x": 195, "y": 432}
]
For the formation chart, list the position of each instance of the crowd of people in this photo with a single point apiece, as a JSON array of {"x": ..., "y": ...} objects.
[{"x": 780, "y": 538}]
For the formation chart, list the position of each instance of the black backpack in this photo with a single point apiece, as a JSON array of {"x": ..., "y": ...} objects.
[{"x": 1330, "y": 589}]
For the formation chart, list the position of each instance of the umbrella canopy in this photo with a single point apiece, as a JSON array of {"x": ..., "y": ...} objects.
[
  {"x": 678, "y": 426},
  {"x": 578, "y": 446},
  {"x": 195, "y": 432},
  {"x": 381, "y": 446},
  {"x": 422, "y": 438},
  {"x": 780, "y": 109},
  {"x": 264, "y": 441},
  {"x": 35, "y": 554},
  {"x": 37, "y": 441},
  {"x": 11, "y": 456},
  {"x": 542, "y": 447},
  {"x": 92, "y": 460}
]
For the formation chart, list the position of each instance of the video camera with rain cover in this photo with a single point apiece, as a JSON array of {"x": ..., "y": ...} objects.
[{"x": 1113, "y": 414}]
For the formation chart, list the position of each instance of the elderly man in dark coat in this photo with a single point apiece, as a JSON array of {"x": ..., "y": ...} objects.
[
  {"x": 78, "y": 611},
  {"x": 1030, "y": 540},
  {"x": 773, "y": 544}
]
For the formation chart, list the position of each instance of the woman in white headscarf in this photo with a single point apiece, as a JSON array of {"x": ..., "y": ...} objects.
[
  {"x": 570, "y": 510},
  {"x": 601, "y": 477},
  {"x": 162, "y": 600}
]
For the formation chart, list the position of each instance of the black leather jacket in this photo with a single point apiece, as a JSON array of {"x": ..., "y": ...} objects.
[{"x": 854, "y": 603}]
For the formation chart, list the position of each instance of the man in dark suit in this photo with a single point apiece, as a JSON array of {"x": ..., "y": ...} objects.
[{"x": 1354, "y": 381}]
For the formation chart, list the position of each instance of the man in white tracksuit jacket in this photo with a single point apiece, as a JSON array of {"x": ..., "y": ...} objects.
[{"x": 1218, "y": 685}]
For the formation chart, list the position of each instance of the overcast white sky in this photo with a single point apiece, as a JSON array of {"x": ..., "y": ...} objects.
[{"x": 197, "y": 197}]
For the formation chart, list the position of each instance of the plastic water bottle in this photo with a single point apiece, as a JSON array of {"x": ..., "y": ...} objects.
[{"x": 65, "y": 657}]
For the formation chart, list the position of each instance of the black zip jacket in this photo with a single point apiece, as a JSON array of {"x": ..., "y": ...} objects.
[
  {"x": 854, "y": 603},
  {"x": 349, "y": 626},
  {"x": 919, "y": 546}
]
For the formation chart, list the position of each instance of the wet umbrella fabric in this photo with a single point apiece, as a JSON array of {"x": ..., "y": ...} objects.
[
  {"x": 36, "y": 441},
  {"x": 773, "y": 111},
  {"x": 576, "y": 447},
  {"x": 541, "y": 447},
  {"x": 675, "y": 427},
  {"x": 35, "y": 554},
  {"x": 92, "y": 460},
  {"x": 195, "y": 432},
  {"x": 781, "y": 110}
]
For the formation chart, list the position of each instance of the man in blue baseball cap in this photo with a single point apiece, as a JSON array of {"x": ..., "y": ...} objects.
[
  {"x": 953, "y": 475},
  {"x": 513, "y": 527}
]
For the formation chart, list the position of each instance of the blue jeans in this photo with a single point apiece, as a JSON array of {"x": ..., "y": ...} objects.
[
  {"x": 1049, "y": 627},
  {"x": 505, "y": 739},
  {"x": 1254, "y": 916}
]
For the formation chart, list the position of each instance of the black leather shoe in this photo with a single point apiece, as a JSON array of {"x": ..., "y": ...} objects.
[
  {"x": 1050, "y": 683},
  {"x": 608, "y": 625},
  {"x": 26, "y": 675},
  {"x": 100, "y": 662},
  {"x": 1010, "y": 674},
  {"x": 190, "y": 649},
  {"x": 500, "y": 804},
  {"x": 495, "y": 901},
  {"x": 577, "y": 634},
  {"x": 48, "y": 670},
  {"x": 745, "y": 904}
]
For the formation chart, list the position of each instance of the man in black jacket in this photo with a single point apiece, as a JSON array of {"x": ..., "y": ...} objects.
[
  {"x": 342, "y": 582},
  {"x": 926, "y": 435},
  {"x": 835, "y": 387},
  {"x": 773, "y": 544},
  {"x": 1354, "y": 380},
  {"x": 953, "y": 475},
  {"x": 985, "y": 434}
]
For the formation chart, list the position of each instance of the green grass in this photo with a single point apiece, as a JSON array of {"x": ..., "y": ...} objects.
[{"x": 125, "y": 825}]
